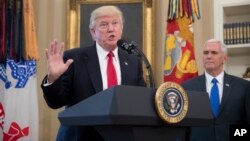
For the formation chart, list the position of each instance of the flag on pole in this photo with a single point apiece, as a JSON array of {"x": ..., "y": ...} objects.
[
  {"x": 18, "y": 104},
  {"x": 2, "y": 30},
  {"x": 31, "y": 48},
  {"x": 18, "y": 81},
  {"x": 179, "y": 57}
]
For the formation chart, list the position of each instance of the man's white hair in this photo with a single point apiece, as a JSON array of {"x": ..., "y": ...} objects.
[{"x": 222, "y": 45}]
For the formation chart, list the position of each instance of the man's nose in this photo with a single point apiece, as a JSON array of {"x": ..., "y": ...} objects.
[{"x": 111, "y": 27}]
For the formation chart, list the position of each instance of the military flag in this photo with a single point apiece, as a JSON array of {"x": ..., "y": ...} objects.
[
  {"x": 18, "y": 81},
  {"x": 179, "y": 57}
]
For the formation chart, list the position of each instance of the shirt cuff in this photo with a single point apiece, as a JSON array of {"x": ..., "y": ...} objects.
[{"x": 47, "y": 83}]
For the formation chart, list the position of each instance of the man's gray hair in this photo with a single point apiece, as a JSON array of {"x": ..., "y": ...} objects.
[
  {"x": 222, "y": 45},
  {"x": 108, "y": 10}
]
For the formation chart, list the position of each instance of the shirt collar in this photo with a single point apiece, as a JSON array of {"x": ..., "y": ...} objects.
[
  {"x": 218, "y": 77},
  {"x": 102, "y": 53}
]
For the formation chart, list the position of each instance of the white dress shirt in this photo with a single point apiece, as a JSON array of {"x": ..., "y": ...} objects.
[
  {"x": 103, "y": 60},
  {"x": 209, "y": 83}
]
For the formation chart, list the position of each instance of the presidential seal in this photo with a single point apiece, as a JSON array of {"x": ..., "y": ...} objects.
[{"x": 171, "y": 102}]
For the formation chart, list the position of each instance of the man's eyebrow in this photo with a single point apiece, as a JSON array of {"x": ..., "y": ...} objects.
[{"x": 213, "y": 52}]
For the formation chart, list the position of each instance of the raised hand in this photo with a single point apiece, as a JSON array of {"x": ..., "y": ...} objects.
[{"x": 55, "y": 63}]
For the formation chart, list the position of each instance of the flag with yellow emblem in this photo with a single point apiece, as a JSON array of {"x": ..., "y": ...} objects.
[{"x": 179, "y": 57}]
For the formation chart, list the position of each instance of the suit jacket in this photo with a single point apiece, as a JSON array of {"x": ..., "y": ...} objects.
[
  {"x": 234, "y": 107},
  {"x": 82, "y": 80}
]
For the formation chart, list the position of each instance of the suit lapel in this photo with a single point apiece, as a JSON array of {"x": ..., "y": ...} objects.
[
  {"x": 226, "y": 91},
  {"x": 124, "y": 64},
  {"x": 94, "y": 68},
  {"x": 202, "y": 82}
]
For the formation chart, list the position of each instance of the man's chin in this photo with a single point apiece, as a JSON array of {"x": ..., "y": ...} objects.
[
  {"x": 209, "y": 68},
  {"x": 112, "y": 43}
]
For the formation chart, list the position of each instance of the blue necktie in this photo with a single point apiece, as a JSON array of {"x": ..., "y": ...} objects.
[{"x": 214, "y": 98}]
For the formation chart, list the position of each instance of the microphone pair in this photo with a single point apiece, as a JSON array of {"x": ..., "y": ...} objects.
[
  {"x": 132, "y": 49},
  {"x": 129, "y": 47}
]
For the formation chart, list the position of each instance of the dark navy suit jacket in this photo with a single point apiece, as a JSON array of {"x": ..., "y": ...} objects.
[
  {"x": 234, "y": 107},
  {"x": 82, "y": 80}
]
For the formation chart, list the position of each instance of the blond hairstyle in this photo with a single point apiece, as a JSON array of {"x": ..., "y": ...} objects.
[{"x": 107, "y": 10}]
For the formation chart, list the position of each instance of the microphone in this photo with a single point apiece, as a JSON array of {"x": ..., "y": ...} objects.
[{"x": 130, "y": 48}]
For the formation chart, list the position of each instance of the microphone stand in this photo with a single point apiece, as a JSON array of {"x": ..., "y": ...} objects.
[{"x": 140, "y": 54}]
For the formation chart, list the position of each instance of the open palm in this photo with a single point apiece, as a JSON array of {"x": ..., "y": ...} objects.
[{"x": 55, "y": 63}]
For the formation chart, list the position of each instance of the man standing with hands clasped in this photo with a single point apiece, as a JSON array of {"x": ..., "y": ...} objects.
[
  {"x": 229, "y": 95},
  {"x": 79, "y": 73}
]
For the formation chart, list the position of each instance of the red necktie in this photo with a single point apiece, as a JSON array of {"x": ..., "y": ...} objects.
[{"x": 111, "y": 73}]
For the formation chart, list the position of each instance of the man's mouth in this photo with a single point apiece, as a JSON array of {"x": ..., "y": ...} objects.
[{"x": 111, "y": 37}]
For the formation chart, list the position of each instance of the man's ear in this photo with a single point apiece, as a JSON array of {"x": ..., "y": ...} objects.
[
  {"x": 225, "y": 59},
  {"x": 92, "y": 32}
]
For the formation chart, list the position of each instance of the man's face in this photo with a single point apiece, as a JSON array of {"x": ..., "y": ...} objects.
[
  {"x": 213, "y": 58},
  {"x": 107, "y": 31}
]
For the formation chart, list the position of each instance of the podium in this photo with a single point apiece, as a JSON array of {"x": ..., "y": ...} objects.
[{"x": 127, "y": 113}]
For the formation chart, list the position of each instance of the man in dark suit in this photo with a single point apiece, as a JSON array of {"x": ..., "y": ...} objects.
[
  {"x": 82, "y": 72},
  {"x": 233, "y": 98}
]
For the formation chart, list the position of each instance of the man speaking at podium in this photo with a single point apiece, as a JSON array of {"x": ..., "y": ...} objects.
[{"x": 79, "y": 73}]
